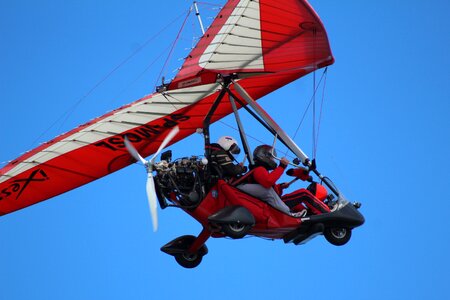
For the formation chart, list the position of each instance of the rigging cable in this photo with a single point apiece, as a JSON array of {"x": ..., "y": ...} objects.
[
  {"x": 209, "y": 3},
  {"x": 321, "y": 109},
  {"x": 308, "y": 106},
  {"x": 251, "y": 137},
  {"x": 314, "y": 98},
  {"x": 173, "y": 46},
  {"x": 139, "y": 76},
  {"x": 64, "y": 117},
  {"x": 314, "y": 117}
]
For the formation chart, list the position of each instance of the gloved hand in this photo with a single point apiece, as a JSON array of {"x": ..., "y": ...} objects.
[{"x": 300, "y": 173}]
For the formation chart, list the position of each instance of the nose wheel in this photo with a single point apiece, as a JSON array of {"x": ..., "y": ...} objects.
[
  {"x": 188, "y": 260},
  {"x": 185, "y": 251}
]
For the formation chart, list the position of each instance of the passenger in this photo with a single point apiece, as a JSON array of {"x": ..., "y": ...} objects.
[
  {"x": 222, "y": 157},
  {"x": 262, "y": 183}
]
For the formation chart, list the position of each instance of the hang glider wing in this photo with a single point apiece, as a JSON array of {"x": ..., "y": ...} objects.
[
  {"x": 264, "y": 36},
  {"x": 268, "y": 42}
]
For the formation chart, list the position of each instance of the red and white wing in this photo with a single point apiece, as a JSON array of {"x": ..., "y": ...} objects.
[
  {"x": 274, "y": 42},
  {"x": 264, "y": 36}
]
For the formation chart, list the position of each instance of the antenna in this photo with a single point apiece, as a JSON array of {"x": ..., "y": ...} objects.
[{"x": 197, "y": 13}]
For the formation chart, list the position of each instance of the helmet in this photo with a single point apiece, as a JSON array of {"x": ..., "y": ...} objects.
[
  {"x": 318, "y": 190},
  {"x": 229, "y": 144},
  {"x": 262, "y": 156}
]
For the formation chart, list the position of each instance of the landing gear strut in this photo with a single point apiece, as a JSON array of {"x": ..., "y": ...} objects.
[{"x": 188, "y": 250}]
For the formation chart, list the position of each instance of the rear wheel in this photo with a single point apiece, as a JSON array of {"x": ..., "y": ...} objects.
[
  {"x": 337, "y": 236},
  {"x": 235, "y": 230}
]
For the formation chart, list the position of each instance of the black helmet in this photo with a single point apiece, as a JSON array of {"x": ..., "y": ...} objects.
[{"x": 262, "y": 156}]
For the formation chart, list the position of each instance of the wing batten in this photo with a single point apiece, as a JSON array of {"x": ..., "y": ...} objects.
[
  {"x": 278, "y": 35},
  {"x": 238, "y": 25}
]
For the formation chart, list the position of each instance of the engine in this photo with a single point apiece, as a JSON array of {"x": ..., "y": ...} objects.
[{"x": 181, "y": 181}]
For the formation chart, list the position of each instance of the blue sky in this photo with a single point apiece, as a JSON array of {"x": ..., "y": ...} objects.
[{"x": 384, "y": 140}]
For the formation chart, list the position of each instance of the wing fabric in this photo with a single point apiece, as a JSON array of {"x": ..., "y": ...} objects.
[
  {"x": 258, "y": 36},
  {"x": 272, "y": 42}
]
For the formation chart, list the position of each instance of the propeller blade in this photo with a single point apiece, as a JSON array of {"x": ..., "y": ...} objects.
[
  {"x": 133, "y": 151},
  {"x": 151, "y": 196},
  {"x": 166, "y": 140},
  {"x": 150, "y": 186}
]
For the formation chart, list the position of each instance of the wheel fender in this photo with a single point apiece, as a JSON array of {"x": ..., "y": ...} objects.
[
  {"x": 181, "y": 244},
  {"x": 347, "y": 216},
  {"x": 233, "y": 214}
]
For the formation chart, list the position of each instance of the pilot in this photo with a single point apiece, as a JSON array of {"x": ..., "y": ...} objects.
[
  {"x": 222, "y": 157},
  {"x": 262, "y": 184}
]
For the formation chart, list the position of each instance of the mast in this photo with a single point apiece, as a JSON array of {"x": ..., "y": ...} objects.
[{"x": 197, "y": 13}]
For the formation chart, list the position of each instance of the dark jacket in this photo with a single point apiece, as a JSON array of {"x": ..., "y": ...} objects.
[{"x": 224, "y": 161}]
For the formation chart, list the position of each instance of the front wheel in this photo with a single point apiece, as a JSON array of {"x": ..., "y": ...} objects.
[
  {"x": 179, "y": 247},
  {"x": 337, "y": 236},
  {"x": 188, "y": 260},
  {"x": 235, "y": 230}
]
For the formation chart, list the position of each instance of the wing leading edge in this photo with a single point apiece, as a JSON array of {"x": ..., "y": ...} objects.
[{"x": 275, "y": 41}]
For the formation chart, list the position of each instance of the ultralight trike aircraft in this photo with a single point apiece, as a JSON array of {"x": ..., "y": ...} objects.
[
  {"x": 252, "y": 48},
  {"x": 191, "y": 183}
]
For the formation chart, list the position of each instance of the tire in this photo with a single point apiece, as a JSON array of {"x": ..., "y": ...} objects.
[
  {"x": 188, "y": 261},
  {"x": 235, "y": 230},
  {"x": 337, "y": 236}
]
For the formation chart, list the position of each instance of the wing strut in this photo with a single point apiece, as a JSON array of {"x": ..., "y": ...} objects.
[
  {"x": 207, "y": 120},
  {"x": 265, "y": 116},
  {"x": 247, "y": 151},
  {"x": 283, "y": 136}
]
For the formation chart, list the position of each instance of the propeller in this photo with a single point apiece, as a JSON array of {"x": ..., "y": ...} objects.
[{"x": 148, "y": 164}]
